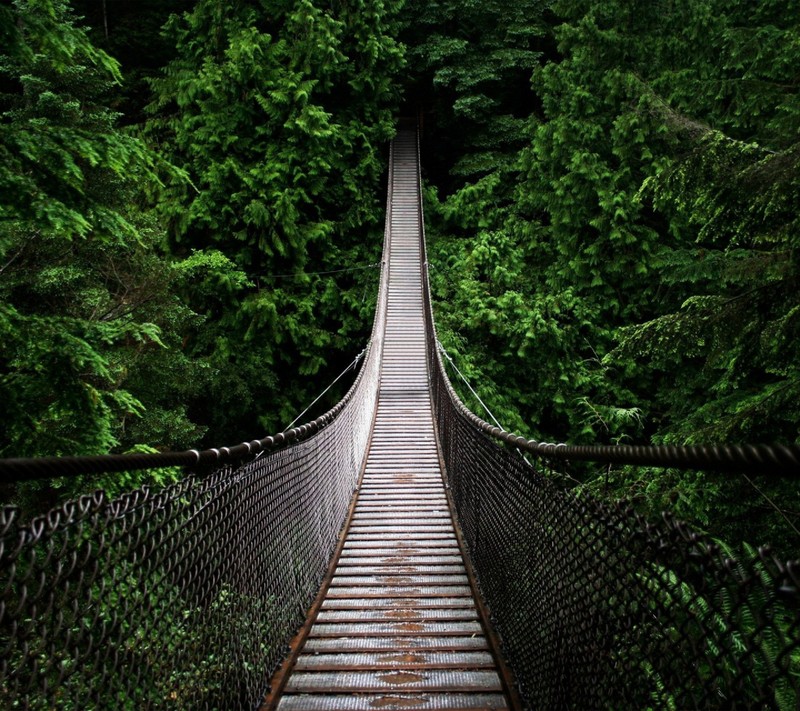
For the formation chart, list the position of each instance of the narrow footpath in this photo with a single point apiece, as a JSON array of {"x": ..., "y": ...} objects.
[{"x": 399, "y": 627}]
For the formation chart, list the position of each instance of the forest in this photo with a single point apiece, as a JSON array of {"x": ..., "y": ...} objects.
[{"x": 191, "y": 207}]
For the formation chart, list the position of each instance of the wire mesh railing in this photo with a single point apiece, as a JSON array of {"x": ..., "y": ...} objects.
[
  {"x": 184, "y": 597},
  {"x": 597, "y": 607}
]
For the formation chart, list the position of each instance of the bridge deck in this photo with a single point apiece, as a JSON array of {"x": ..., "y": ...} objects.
[{"x": 399, "y": 627}]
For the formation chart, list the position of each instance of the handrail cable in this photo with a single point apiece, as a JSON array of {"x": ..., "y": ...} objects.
[
  {"x": 769, "y": 459},
  {"x": 724, "y": 457},
  {"x": 466, "y": 382},
  {"x": 351, "y": 365},
  {"x": 772, "y": 504}
]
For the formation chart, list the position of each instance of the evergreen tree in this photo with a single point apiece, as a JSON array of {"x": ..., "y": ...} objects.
[
  {"x": 280, "y": 112},
  {"x": 730, "y": 187},
  {"x": 472, "y": 63},
  {"x": 85, "y": 303},
  {"x": 130, "y": 31},
  {"x": 640, "y": 273}
]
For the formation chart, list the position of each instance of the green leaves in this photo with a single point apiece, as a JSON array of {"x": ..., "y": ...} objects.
[
  {"x": 56, "y": 391},
  {"x": 85, "y": 303},
  {"x": 473, "y": 63},
  {"x": 619, "y": 262},
  {"x": 279, "y": 113}
]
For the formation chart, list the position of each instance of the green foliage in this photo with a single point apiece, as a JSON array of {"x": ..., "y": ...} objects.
[
  {"x": 473, "y": 62},
  {"x": 130, "y": 31},
  {"x": 67, "y": 241},
  {"x": 279, "y": 113},
  {"x": 628, "y": 272},
  {"x": 90, "y": 325},
  {"x": 738, "y": 336},
  {"x": 502, "y": 328}
]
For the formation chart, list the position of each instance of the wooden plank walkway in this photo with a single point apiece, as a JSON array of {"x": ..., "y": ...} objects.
[{"x": 399, "y": 627}]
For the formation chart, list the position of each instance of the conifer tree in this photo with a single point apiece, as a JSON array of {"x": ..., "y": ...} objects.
[
  {"x": 643, "y": 274},
  {"x": 280, "y": 113},
  {"x": 84, "y": 296}
]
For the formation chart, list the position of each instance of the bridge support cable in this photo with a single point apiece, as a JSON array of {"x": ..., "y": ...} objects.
[{"x": 351, "y": 366}]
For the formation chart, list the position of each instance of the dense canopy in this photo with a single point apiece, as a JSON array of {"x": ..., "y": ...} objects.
[{"x": 191, "y": 199}]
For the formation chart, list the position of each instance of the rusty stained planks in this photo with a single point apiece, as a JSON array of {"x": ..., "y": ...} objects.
[{"x": 399, "y": 627}]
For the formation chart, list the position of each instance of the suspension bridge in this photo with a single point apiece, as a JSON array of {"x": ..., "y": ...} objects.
[{"x": 397, "y": 552}]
